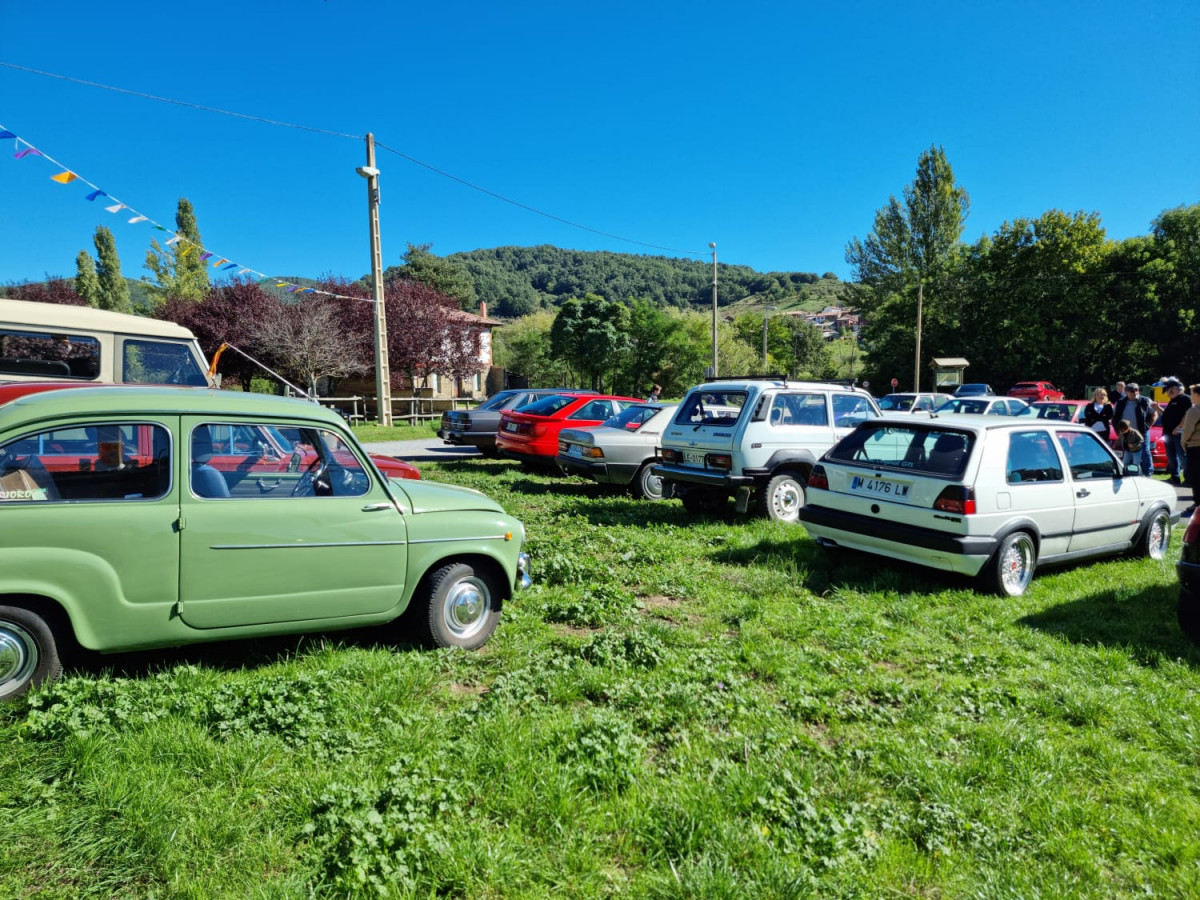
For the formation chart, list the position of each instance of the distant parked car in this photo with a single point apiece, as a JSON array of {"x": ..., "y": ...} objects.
[
  {"x": 530, "y": 434},
  {"x": 124, "y": 528},
  {"x": 1035, "y": 390},
  {"x": 984, "y": 406},
  {"x": 1072, "y": 411},
  {"x": 477, "y": 427},
  {"x": 914, "y": 402},
  {"x": 621, "y": 451},
  {"x": 973, "y": 390},
  {"x": 993, "y": 497},
  {"x": 1188, "y": 569}
]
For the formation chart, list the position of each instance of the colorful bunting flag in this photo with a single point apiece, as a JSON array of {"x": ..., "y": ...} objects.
[
  {"x": 230, "y": 266},
  {"x": 205, "y": 257},
  {"x": 96, "y": 193},
  {"x": 116, "y": 207},
  {"x": 137, "y": 219},
  {"x": 6, "y": 134},
  {"x": 28, "y": 151},
  {"x": 64, "y": 177},
  {"x": 175, "y": 240}
]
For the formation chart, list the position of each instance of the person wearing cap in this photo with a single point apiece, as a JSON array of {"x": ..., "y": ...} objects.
[
  {"x": 1137, "y": 411},
  {"x": 1172, "y": 418}
]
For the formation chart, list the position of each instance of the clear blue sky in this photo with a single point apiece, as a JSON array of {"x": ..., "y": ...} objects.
[{"x": 775, "y": 129}]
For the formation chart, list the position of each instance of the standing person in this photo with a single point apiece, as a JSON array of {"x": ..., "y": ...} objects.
[
  {"x": 655, "y": 393},
  {"x": 1172, "y": 418},
  {"x": 1130, "y": 442},
  {"x": 1119, "y": 391},
  {"x": 1136, "y": 410},
  {"x": 1189, "y": 433},
  {"x": 1098, "y": 414}
]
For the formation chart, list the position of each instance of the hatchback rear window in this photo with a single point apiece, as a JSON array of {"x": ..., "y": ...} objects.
[
  {"x": 930, "y": 451},
  {"x": 711, "y": 408}
]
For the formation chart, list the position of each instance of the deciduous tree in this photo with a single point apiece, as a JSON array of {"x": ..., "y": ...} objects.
[
  {"x": 178, "y": 269},
  {"x": 114, "y": 292},
  {"x": 87, "y": 285}
]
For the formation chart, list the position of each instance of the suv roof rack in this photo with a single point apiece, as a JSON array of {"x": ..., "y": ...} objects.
[{"x": 748, "y": 378}]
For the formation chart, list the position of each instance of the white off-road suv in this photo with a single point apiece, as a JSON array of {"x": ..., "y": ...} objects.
[{"x": 755, "y": 437}]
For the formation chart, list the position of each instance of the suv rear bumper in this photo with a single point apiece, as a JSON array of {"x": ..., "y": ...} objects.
[
  {"x": 704, "y": 477},
  {"x": 965, "y": 554}
]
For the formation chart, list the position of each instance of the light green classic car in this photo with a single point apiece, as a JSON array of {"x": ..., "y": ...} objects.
[{"x": 138, "y": 517}]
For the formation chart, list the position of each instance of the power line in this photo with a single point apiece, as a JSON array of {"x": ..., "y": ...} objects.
[{"x": 342, "y": 134}]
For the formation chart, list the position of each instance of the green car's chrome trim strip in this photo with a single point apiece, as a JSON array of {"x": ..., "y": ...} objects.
[
  {"x": 306, "y": 546},
  {"x": 451, "y": 540}
]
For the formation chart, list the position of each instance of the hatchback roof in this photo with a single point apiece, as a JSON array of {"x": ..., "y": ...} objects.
[{"x": 969, "y": 421}]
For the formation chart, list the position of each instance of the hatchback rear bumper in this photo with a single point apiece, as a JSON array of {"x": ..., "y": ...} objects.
[{"x": 966, "y": 554}]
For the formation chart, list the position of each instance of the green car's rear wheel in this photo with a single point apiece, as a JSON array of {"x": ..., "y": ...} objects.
[{"x": 28, "y": 652}]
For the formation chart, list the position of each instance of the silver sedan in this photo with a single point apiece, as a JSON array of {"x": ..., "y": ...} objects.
[{"x": 621, "y": 451}]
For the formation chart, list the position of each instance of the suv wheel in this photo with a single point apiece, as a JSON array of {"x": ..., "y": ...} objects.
[
  {"x": 1010, "y": 570},
  {"x": 782, "y": 499}
]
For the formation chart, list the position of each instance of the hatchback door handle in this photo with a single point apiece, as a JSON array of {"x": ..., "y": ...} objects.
[
  {"x": 376, "y": 507},
  {"x": 1083, "y": 492}
]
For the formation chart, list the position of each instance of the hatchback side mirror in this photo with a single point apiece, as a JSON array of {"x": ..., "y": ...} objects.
[{"x": 1133, "y": 469}]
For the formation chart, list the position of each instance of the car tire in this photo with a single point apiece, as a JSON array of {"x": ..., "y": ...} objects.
[
  {"x": 460, "y": 607},
  {"x": 28, "y": 652},
  {"x": 1010, "y": 570},
  {"x": 489, "y": 452},
  {"x": 1155, "y": 536},
  {"x": 782, "y": 499},
  {"x": 646, "y": 485},
  {"x": 704, "y": 501}
]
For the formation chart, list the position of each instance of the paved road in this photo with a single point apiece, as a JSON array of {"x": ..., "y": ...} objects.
[{"x": 424, "y": 450}]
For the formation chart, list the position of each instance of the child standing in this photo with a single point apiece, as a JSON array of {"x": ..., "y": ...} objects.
[{"x": 1129, "y": 441}]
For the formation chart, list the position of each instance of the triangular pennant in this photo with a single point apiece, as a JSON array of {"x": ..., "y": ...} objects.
[
  {"x": 230, "y": 266},
  {"x": 242, "y": 271},
  {"x": 308, "y": 291},
  {"x": 64, "y": 177},
  {"x": 6, "y": 134},
  {"x": 28, "y": 151},
  {"x": 264, "y": 278},
  {"x": 293, "y": 289},
  {"x": 137, "y": 219},
  {"x": 219, "y": 261},
  {"x": 204, "y": 257},
  {"x": 175, "y": 240},
  {"x": 115, "y": 208},
  {"x": 96, "y": 193}
]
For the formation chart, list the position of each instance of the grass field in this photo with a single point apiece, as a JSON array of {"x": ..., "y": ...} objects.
[{"x": 679, "y": 708}]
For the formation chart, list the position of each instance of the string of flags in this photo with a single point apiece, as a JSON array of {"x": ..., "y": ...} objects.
[{"x": 24, "y": 149}]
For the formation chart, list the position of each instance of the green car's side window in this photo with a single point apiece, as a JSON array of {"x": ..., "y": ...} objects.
[
  {"x": 104, "y": 461},
  {"x": 256, "y": 461}
]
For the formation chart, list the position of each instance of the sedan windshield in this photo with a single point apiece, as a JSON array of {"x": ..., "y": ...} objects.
[
  {"x": 897, "y": 402},
  {"x": 965, "y": 406},
  {"x": 548, "y": 406}
]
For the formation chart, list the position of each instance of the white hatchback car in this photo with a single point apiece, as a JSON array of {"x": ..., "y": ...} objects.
[{"x": 987, "y": 496}]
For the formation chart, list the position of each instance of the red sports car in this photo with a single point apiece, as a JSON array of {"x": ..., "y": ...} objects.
[
  {"x": 1030, "y": 391},
  {"x": 253, "y": 449},
  {"x": 531, "y": 433}
]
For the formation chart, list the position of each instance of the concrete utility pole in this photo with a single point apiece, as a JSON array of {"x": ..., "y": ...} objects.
[
  {"x": 917, "y": 363},
  {"x": 383, "y": 374},
  {"x": 713, "y": 247}
]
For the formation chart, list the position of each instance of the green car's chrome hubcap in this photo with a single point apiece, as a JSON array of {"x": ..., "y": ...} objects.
[
  {"x": 467, "y": 607},
  {"x": 18, "y": 653}
]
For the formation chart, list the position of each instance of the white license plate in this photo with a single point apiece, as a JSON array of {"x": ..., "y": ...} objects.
[
  {"x": 879, "y": 487},
  {"x": 693, "y": 457},
  {"x": 510, "y": 426}
]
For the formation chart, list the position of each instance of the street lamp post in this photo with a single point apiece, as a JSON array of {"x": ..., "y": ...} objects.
[
  {"x": 766, "y": 316},
  {"x": 383, "y": 377}
]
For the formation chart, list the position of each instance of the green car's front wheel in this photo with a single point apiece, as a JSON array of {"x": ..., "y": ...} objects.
[{"x": 461, "y": 607}]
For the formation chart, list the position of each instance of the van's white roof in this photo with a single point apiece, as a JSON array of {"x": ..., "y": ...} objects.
[{"x": 24, "y": 314}]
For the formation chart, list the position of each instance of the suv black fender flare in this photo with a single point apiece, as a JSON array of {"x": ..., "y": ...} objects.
[{"x": 800, "y": 461}]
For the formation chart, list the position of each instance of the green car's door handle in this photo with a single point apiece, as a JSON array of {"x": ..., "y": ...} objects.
[{"x": 376, "y": 507}]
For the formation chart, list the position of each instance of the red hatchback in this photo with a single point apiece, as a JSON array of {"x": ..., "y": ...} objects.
[
  {"x": 531, "y": 433},
  {"x": 1035, "y": 390}
]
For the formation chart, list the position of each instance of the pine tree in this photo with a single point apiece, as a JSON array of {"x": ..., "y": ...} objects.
[
  {"x": 114, "y": 292},
  {"x": 178, "y": 269},
  {"x": 87, "y": 285}
]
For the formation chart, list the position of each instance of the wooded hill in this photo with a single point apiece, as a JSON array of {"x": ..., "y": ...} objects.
[{"x": 516, "y": 281}]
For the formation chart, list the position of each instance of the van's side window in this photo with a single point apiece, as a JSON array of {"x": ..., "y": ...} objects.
[
  {"x": 159, "y": 362},
  {"x": 49, "y": 355}
]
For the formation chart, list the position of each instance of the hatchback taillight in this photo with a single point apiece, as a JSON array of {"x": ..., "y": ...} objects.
[
  {"x": 956, "y": 498},
  {"x": 818, "y": 479},
  {"x": 670, "y": 456},
  {"x": 719, "y": 461}
]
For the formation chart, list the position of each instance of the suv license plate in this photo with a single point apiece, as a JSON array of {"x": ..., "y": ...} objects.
[
  {"x": 879, "y": 487},
  {"x": 691, "y": 457}
]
